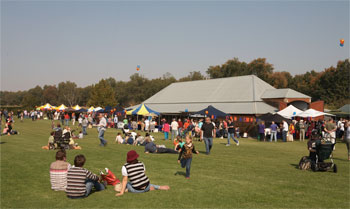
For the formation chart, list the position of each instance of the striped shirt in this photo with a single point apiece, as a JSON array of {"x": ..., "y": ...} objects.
[
  {"x": 76, "y": 179},
  {"x": 136, "y": 174},
  {"x": 58, "y": 175}
]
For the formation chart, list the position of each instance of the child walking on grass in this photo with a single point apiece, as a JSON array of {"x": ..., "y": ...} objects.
[{"x": 185, "y": 155}]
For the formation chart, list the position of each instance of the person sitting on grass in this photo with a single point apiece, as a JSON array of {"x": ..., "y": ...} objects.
[
  {"x": 134, "y": 171},
  {"x": 119, "y": 139},
  {"x": 58, "y": 171},
  {"x": 185, "y": 155},
  {"x": 140, "y": 140},
  {"x": 150, "y": 147},
  {"x": 50, "y": 144},
  {"x": 73, "y": 145},
  {"x": 129, "y": 139},
  {"x": 80, "y": 181}
]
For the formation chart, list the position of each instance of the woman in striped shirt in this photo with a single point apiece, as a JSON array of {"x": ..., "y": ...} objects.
[{"x": 134, "y": 170}]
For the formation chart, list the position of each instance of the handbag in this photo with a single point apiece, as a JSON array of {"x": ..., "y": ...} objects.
[{"x": 109, "y": 177}]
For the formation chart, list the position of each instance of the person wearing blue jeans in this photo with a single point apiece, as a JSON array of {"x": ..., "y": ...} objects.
[
  {"x": 231, "y": 133},
  {"x": 101, "y": 134},
  {"x": 208, "y": 144},
  {"x": 80, "y": 181},
  {"x": 84, "y": 130},
  {"x": 185, "y": 155},
  {"x": 90, "y": 184},
  {"x": 134, "y": 171},
  {"x": 101, "y": 130},
  {"x": 148, "y": 188},
  {"x": 207, "y": 133},
  {"x": 273, "y": 128}
]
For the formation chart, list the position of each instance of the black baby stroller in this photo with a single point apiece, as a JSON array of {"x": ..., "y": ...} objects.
[
  {"x": 324, "y": 151},
  {"x": 61, "y": 140}
]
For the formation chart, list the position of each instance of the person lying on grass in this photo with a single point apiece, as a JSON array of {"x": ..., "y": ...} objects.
[
  {"x": 80, "y": 181},
  {"x": 58, "y": 171},
  {"x": 185, "y": 155},
  {"x": 134, "y": 171},
  {"x": 119, "y": 139},
  {"x": 150, "y": 147}
]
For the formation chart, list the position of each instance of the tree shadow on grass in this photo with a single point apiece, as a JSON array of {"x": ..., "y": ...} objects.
[{"x": 180, "y": 173}]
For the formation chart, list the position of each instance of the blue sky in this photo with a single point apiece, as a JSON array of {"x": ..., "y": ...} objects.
[{"x": 46, "y": 42}]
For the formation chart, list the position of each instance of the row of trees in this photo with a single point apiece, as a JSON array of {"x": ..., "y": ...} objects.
[{"x": 330, "y": 85}]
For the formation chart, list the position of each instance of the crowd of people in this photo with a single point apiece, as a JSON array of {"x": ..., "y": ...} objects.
[{"x": 78, "y": 182}]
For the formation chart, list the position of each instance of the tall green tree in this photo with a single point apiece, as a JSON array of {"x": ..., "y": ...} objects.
[
  {"x": 50, "y": 94},
  {"x": 67, "y": 93},
  {"x": 102, "y": 94},
  {"x": 193, "y": 76},
  {"x": 33, "y": 97}
]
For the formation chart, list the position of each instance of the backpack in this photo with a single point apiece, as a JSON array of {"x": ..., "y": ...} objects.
[{"x": 305, "y": 163}]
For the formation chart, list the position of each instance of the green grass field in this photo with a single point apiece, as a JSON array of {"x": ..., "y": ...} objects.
[{"x": 253, "y": 175}]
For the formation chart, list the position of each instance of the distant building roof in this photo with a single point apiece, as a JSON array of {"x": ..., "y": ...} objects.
[
  {"x": 239, "y": 95},
  {"x": 282, "y": 93},
  {"x": 345, "y": 108},
  {"x": 233, "y": 95}
]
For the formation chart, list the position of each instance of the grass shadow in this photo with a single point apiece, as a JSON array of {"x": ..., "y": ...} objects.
[
  {"x": 296, "y": 166},
  {"x": 202, "y": 152},
  {"x": 2, "y": 142},
  {"x": 180, "y": 173},
  {"x": 335, "y": 158}
]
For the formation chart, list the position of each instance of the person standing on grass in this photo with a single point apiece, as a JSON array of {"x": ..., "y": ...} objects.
[
  {"x": 115, "y": 121},
  {"x": 285, "y": 129},
  {"x": 207, "y": 134},
  {"x": 301, "y": 130},
  {"x": 185, "y": 155},
  {"x": 73, "y": 118},
  {"x": 101, "y": 130},
  {"x": 261, "y": 129},
  {"x": 347, "y": 137},
  {"x": 330, "y": 129},
  {"x": 231, "y": 133},
  {"x": 179, "y": 122},
  {"x": 66, "y": 118},
  {"x": 174, "y": 128},
  {"x": 134, "y": 171},
  {"x": 166, "y": 130},
  {"x": 84, "y": 125},
  {"x": 273, "y": 128},
  {"x": 80, "y": 181},
  {"x": 58, "y": 172}
]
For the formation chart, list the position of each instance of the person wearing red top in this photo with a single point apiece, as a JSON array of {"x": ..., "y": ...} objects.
[
  {"x": 179, "y": 129},
  {"x": 166, "y": 130},
  {"x": 66, "y": 118}
]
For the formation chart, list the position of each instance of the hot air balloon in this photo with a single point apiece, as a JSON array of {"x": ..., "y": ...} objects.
[
  {"x": 138, "y": 67},
  {"x": 341, "y": 42}
]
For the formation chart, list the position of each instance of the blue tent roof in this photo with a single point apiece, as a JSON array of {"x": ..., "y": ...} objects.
[{"x": 210, "y": 110}]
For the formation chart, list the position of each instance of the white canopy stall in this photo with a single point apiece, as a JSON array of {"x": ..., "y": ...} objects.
[{"x": 289, "y": 112}]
